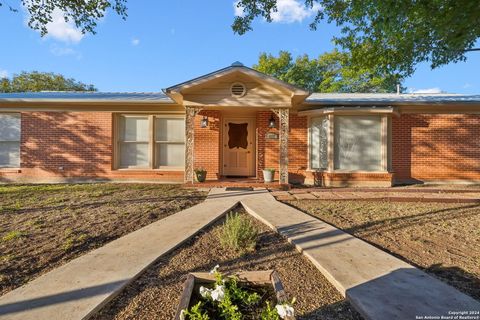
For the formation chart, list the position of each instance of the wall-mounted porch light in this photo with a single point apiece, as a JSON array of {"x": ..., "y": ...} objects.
[
  {"x": 271, "y": 122},
  {"x": 204, "y": 122}
]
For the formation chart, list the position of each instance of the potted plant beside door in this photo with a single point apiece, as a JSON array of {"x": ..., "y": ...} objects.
[
  {"x": 268, "y": 175},
  {"x": 201, "y": 174}
]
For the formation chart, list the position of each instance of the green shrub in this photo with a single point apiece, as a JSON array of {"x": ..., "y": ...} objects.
[
  {"x": 12, "y": 235},
  {"x": 238, "y": 233},
  {"x": 74, "y": 239}
]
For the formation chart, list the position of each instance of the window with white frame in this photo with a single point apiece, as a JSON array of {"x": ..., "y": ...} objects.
[
  {"x": 151, "y": 141},
  {"x": 319, "y": 128},
  {"x": 134, "y": 141},
  {"x": 10, "y": 127},
  {"x": 358, "y": 143}
]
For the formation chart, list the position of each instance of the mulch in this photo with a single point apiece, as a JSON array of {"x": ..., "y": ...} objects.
[{"x": 156, "y": 294}]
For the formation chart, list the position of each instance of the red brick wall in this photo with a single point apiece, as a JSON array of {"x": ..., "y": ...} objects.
[
  {"x": 436, "y": 147},
  {"x": 208, "y": 143},
  {"x": 298, "y": 149},
  {"x": 62, "y": 146},
  {"x": 78, "y": 142},
  {"x": 268, "y": 149},
  {"x": 346, "y": 179}
]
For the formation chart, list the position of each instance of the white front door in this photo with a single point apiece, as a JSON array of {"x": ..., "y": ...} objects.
[{"x": 239, "y": 147}]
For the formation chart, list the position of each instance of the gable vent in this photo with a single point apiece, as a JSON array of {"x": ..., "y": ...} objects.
[{"x": 238, "y": 89}]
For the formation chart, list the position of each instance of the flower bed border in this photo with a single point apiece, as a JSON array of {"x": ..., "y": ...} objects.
[{"x": 268, "y": 277}]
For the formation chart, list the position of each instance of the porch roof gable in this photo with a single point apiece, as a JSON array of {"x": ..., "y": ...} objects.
[
  {"x": 294, "y": 94},
  {"x": 236, "y": 66}
]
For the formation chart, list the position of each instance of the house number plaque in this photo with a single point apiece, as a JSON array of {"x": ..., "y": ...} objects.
[{"x": 271, "y": 136}]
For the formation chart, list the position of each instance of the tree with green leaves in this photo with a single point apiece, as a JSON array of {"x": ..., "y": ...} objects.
[
  {"x": 42, "y": 81},
  {"x": 330, "y": 72},
  {"x": 392, "y": 35},
  {"x": 84, "y": 14}
]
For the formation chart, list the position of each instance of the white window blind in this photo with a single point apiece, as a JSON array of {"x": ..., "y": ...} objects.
[
  {"x": 319, "y": 143},
  {"x": 10, "y": 128},
  {"x": 358, "y": 143},
  {"x": 170, "y": 142},
  {"x": 134, "y": 141},
  {"x": 138, "y": 143}
]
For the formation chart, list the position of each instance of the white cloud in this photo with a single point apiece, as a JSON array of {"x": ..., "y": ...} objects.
[
  {"x": 288, "y": 11},
  {"x": 426, "y": 90},
  {"x": 467, "y": 85},
  {"x": 64, "y": 51},
  {"x": 3, "y": 73},
  {"x": 238, "y": 11},
  {"x": 135, "y": 42},
  {"x": 63, "y": 31}
]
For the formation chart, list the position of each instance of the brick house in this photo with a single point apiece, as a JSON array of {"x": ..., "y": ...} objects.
[{"x": 234, "y": 122}]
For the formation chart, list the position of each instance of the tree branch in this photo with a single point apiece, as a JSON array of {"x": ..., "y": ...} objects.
[{"x": 473, "y": 49}]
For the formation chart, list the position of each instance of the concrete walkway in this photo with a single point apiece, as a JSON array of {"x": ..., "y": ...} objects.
[
  {"x": 377, "y": 284},
  {"x": 79, "y": 288}
]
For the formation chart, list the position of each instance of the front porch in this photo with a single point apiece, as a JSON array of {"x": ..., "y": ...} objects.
[
  {"x": 237, "y": 123},
  {"x": 235, "y": 146}
]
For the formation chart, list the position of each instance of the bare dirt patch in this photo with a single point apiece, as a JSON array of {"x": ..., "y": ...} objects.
[
  {"x": 44, "y": 226},
  {"x": 156, "y": 294},
  {"x": 443, "y": 239},
  {"x": 467, "y": 186}
]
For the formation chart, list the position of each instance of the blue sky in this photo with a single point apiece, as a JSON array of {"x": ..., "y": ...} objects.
[{"x": 166, "y": 42}]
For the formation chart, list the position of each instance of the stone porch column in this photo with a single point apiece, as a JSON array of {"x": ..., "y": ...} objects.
[
  {"x": 190, "y": 113},
  {"x": 283, "y": 115}
]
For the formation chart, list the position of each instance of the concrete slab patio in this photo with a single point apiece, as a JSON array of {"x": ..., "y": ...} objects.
[{"x": 378, "y": 285}]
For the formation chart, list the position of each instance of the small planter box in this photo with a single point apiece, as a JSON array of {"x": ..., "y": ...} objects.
[{"x": 257, "y": 278}]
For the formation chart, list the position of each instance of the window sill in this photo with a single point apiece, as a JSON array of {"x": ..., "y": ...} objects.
[
  {"x": 149, "y": 170},
  {"x": 345, "y": 171},
  {"x": 317, "y": 170},
  {"x": 358, "y": 171},
  {"x": 10, "y": 170}
]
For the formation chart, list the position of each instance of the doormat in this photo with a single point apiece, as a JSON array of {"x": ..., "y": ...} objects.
[{"x": 239, "y": 189}]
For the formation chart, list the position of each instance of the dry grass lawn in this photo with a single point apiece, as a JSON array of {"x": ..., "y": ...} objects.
[
  {"x": 442, "y": 239},
  {"x": 44, "y": 226}
]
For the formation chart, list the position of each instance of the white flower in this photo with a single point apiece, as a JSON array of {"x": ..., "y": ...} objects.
[
  {"x": 182, "y": 314},
  {"x": 205, "y": 292},
  {"x": 218, "y": 294},
  {"x": 214, "y": 269},
  {"x": 284, "y": 310}
]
